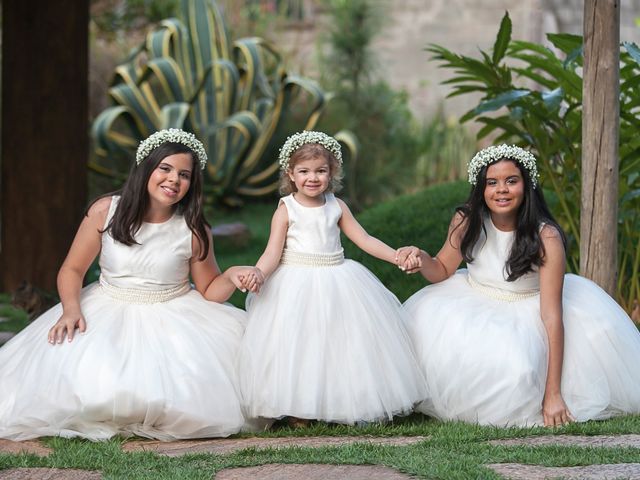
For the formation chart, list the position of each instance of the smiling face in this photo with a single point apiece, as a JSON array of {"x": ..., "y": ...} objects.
[
  {"x": 170, "y": 181},
  {"x": 504, "y": 191},
  {"x": 311, "y": 178}
]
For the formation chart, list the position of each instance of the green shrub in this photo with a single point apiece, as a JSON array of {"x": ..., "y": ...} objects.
[{"x": 421, "y": 219}]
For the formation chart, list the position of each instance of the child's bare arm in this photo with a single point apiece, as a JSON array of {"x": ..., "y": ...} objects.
[{"x": 270, "y": 259}]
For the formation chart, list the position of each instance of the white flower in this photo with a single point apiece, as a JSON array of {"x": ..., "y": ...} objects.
[
  {"x": 294, "y": 142},
  {"x": 171, "y": 135},
  {"x": 497, "y": 152}
]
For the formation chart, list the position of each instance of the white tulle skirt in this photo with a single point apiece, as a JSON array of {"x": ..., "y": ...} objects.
[
  {"x": 327, "y": 343},
  {"x": 163, "y": 370},
  {"x": 485, "y": 360}
]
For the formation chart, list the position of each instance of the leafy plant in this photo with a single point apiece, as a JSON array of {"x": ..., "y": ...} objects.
[
  {"x": 532, "y": 97},
  {"x": 233, "y": 95},
  {"x": 445, "y": 147}
]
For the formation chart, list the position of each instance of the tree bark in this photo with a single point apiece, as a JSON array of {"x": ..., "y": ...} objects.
[
  {"x": 44, "y": 136},
  {"x": 600, "y": 130}
]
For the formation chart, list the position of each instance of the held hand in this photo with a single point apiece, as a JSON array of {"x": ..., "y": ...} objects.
[
  {"x": 248, "y": 279},
  {"x": 409, "y": 259},
  {"x": 67, "y": 324},
  {"x": 555, "y": 412}
]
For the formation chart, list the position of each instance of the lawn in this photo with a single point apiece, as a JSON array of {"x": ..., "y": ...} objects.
[{"x": 452, "y": 450}]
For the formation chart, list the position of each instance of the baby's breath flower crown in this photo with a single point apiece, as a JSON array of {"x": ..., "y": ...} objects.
[
  {"x": 494, "y": 153},
  {"x": 295, "y": 141},
  {"x": 171, "y": 135}
]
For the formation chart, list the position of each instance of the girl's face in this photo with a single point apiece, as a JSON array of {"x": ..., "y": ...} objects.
[
  {"x": 311, "y": 178},
  {"x": 170, "y": 181},
  {"x": 504, "y": 189}
]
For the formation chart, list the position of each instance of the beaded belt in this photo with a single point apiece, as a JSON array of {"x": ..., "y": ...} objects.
[
  {"x": 289, "y": 257},
  {"x": 131, "y": 295},
  {"x": 500, "y": 294}
]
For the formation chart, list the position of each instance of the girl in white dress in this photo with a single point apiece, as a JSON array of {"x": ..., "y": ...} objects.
[
  {"x": 512, "y": 340},
  {"x": 140, "y": 351},
  {"x": 325, "y": 338}
]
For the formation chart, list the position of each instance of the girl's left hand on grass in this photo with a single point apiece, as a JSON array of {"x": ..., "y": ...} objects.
[{"x": 555, "y": 412}]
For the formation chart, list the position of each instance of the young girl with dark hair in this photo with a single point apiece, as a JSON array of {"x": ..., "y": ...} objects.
[
  {"x": 153, "y": 357},
  {"x": 512, "y": 340}
]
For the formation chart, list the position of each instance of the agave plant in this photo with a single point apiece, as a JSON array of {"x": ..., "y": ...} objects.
[
  {"x": 548, "y": 118},
  {"x": 233, "y": 95}
]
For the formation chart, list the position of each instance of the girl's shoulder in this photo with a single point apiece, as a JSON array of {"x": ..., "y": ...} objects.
[
  {"x": 102, "y": 206},
  {"x": 549, "y": 231}
]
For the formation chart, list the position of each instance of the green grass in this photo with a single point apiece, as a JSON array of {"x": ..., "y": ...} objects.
[
  {"x": 17, "y": 318},
  {"x": 452, "y": 450}
]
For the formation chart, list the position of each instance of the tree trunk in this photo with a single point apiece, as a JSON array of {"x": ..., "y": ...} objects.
[
  {"x": 44, "y": 136},
  {"x": 600, "y": 125}
]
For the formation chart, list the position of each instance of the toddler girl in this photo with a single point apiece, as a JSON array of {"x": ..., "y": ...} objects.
[{"x": 325, "y": 338}]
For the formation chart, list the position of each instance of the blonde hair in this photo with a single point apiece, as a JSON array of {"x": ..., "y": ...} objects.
[{"x": 309, "y": 151}]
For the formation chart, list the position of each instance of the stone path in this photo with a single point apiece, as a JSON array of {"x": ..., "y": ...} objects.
[
  {"x": 227, "y": 445},
  {"x": 516, "y": 471},
  {"x": 30, "y": 446},
  {"x": 574, "y": 440},
  {"x": 312, "y": 471},
  {"x": 6, "y": 336},
  {"x": 48, "y": 474}
]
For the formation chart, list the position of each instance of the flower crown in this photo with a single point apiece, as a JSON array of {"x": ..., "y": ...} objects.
[
  {"x": 494, "y": 153},
  {"x": 295, "y": 141},
  {"x": 171, "y": 135}
]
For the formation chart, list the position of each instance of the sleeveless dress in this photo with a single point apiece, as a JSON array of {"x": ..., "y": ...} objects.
[
  {"x": 325, "y": 339},
  {"x": 156, "y": 360},
  {"x": 483, "y": 347}
]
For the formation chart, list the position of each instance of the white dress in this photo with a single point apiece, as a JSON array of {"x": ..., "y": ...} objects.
[
  {"x": 325, "y": 338},
  {"x": 156, "y": 360},
  {"x": 483, "y": 347}
]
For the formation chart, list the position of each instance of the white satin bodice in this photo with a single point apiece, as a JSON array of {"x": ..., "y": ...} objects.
[
  {"x": 159, "y": 261},
  {"x": 489, "y": 266},
  {"x": 313, "y": 229}
]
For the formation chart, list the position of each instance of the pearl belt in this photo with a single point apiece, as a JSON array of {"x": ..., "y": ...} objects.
[
  {"x": 132, "y": 295},
  {"x": 289, "y": 257},
  {"x": 499, "y": 294}
]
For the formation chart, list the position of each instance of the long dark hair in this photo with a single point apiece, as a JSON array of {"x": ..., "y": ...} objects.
[
  {"x": 527, "y": 249},
  {"x": 134, "y": 199}
]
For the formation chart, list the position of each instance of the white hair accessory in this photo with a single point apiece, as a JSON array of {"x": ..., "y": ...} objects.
[
  {"x": 295, "y": 141},
  {"x": 171, "y": 135},
  {"x": 497, "y": 152}
]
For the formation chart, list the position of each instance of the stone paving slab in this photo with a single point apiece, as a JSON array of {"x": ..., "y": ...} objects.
[
  {"x": 574, "y": 440},
  {"x": 48, "y": 474},
  {"x": 517, "y": 471},
  {"x": 311, "y": 471},
  {"x": 6, "y": 336},
  {"x": 29, "y": 446},
  {"x": 226, "y": 445}
]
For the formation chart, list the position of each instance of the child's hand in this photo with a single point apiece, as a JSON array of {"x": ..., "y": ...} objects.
[
  {"x": 409, "y": 259},
  {"x": 251, "y": 279},
  {"x": 66, "y": 325}
]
